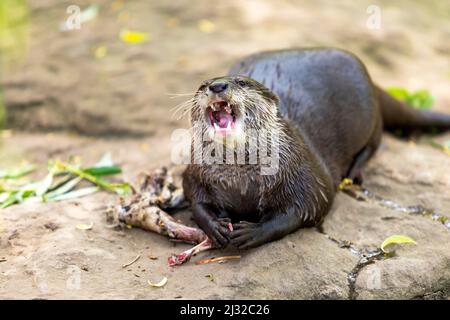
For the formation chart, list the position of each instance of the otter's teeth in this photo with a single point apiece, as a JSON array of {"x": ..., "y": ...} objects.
[
  {"x": 229, "y": 126},
  {"x": 216, "y": 127},
  {"x": 228, "y": 108},
  {"x": 211, "y": 133}
]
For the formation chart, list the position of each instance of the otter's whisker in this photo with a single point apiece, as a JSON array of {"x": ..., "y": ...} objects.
[{"x": 176, "y": 95}]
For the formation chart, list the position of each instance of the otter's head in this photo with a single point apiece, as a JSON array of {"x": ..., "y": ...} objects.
[{"x": 232, "y": 104}]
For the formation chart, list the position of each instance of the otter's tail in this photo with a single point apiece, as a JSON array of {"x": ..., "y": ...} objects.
[{"x": 398, "y": 115}]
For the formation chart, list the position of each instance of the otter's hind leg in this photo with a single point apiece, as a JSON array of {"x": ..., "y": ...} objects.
[{"x": 361, "y": 158}]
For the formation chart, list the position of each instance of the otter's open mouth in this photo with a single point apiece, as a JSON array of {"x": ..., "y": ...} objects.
[{"x": 222, "y": 116}]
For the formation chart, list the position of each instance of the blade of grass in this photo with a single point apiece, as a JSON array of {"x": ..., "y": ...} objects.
[
  {"x": 59, "y": 180},
  {"x": 16, "y": 173},
  {"x": 121, "y": 188},
  {"x": 45, "y": 184},
  {"x": 74, "y": 194},
  {"x": 105, "y": 166},
  {"x": 103, "y": 171},
  {"x": 68, "y": 186},
  {"x": 16, "y": 197}
]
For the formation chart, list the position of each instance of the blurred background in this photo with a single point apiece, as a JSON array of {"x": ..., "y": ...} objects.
[
  {"x": 86, "y": 78},
  {"x": 114, "y": 69}
]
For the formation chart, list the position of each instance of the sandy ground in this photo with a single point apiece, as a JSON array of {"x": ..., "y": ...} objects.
[{"x": 64, "y": 101}]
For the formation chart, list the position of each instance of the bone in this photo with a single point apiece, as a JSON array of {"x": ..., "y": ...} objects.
[
  {"x": 146, "y": 210},
  {"x": 185, "y": 256}
]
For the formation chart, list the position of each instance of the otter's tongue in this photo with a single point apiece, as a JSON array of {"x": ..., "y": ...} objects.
[{"x": 223, "y": 119}]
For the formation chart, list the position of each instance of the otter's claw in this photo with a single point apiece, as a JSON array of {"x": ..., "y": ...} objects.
[
  {"x": 246, "y": 235},
  {"x": 219, "y": 233}
]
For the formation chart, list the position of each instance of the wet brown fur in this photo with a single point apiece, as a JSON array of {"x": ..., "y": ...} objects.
[{"x": 330, "y": 118}]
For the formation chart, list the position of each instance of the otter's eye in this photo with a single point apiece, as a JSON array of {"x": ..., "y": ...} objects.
[
  {"x": 204, "y": 84},
  {"x": 242, "y": 83}
]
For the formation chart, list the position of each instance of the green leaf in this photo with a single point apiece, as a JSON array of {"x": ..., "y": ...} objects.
[
  {"x": 122, "y": 189},
  {"x": 9, "y": 201},
  {"x": 105, "y": 166},
  {"x": 395, "y": 239},
  {"x": 103, "y": 171},
  {"x": 3, "y": 196},
  {"x": 398, "y": 93},
  {"x": 16, "y": 173},
  {"x": 59, "y": 180},
  {"x": 75, "y": 194},
  {"x": 16, "y": 197},
  {"x": 45, "y": 184},
  {"x": 118, "y": 188},
  {"x": 64, "y": 188},
  {"x": 58, "y": 184},
  {"x": 420, "y": 99}
]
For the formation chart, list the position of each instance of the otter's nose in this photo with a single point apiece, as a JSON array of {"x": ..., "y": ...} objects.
[{"x": 218, "y": 87}]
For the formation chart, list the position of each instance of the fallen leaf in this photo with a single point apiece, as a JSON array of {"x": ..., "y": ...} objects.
[
  {"x": 89, "y": 13},
  {"x": 446, "y": 149},
  {"x": 100, "y": 52},
  {"x": 206, "y": 26},
  {"x": 82, "y": 226},
  {"x": 172, "y": 22},
  {"x": 447, "y": 144},
  {"x": 344, "y": 183},
  {"x": 144, "y": 147},
  {"x": 117, "y": 5},
  {"x": 395, "y": 239},
  {"x": 183, "y": 61},
  {"x": 210, "y": 277},
  {"x": 133, "y": 37},
  {"x": 159, "y": 284},
  {"x": 152, "y": 257},
  {"x": 123, "y": 16}
]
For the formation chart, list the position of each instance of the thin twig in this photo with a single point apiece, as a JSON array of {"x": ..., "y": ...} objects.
[
  {"x": 218, "y": 259},
  {"x": 131, "y": 262}
]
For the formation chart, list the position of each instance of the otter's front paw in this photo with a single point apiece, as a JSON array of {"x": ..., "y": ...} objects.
[
  {"x": 218, "y": 232},
  {"x": 247, "y": 235}
]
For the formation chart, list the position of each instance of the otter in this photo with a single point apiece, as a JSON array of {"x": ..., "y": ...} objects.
[{"x": 328, "y": 116}]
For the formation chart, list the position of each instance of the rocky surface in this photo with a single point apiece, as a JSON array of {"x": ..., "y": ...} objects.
[
  {"x": 47, "y": 257},
  {"x": 63, "y": 101}
]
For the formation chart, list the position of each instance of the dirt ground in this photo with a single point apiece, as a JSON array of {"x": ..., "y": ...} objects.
[{"x": 62, "y": 100}]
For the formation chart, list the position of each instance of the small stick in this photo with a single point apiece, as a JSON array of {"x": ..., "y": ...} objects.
[
  {"x": 131, "y": 262},
  {"x": 218, "y": 259}
]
